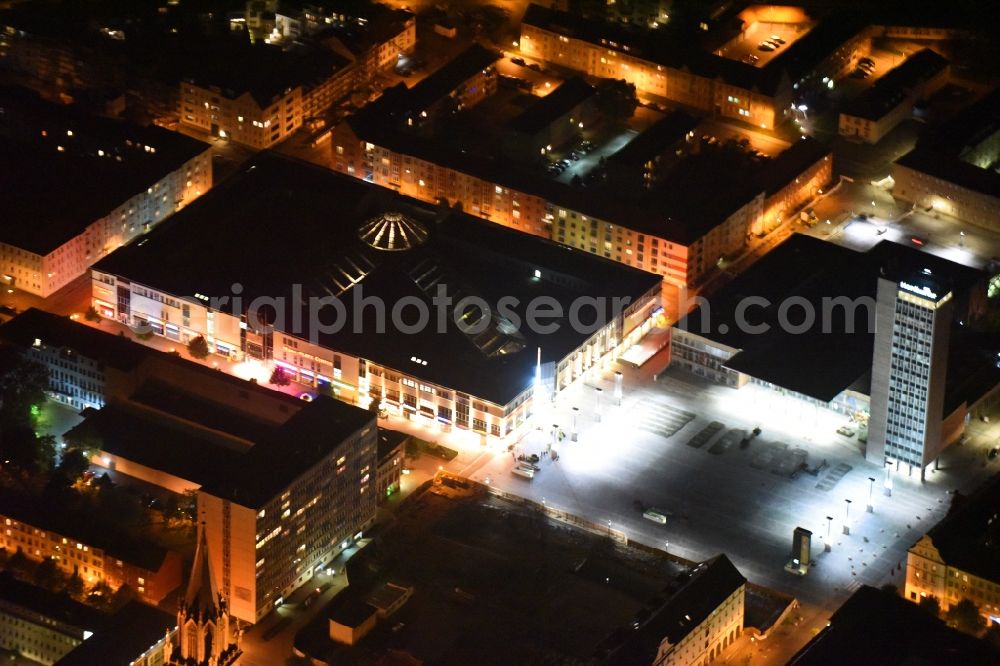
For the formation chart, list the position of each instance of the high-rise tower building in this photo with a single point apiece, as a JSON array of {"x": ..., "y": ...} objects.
[{"x": 913, "y": 319}]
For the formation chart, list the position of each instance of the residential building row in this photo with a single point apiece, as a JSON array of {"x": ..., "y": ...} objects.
[
  {"x": 81, "y": 186},
  {"x": 676, "y": 209},
  {"x": 216, "y": 79},
  {"x": 260, "y": 95},
  {"x": 95, "y": 554},
  {"x": 440, "y": 373},
  {"x": 952, "y": 172},
  {"x": 678, "y": 66}
]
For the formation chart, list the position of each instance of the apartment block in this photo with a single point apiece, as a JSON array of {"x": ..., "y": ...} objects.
[
  {"x": 890, "y": 100},
  {"x": 79, "y": 186}
]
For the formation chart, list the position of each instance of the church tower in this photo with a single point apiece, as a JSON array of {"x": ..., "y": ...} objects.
[{"x": 206, "y": 635}]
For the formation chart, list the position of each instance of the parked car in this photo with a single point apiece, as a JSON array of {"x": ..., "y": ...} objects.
[
  {"x": 775, "y": 39},
  {"x": 845, "y": 431},
  {"x": 518, "y": 61},
  {"x": 765, "y": 46}
]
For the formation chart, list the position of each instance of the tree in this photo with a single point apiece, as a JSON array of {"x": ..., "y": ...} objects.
[
  {"x": 198, "y": 347},
  {"x": 75, "y": 586},
  {"x": 22, "y": 386},
  {"x": 931, "y": 605},
  {"x": 47, "y": 574},
  {"x": 72, "y": 466},
  {"x": 965, "y": 616},
  {"x": 18, "y": 563},
  {"x": 19, "y": 448},
  {"x": 616, "y": 99},
  {"x": 92, "y": 315},
  {"x": 279, "y": 377}
]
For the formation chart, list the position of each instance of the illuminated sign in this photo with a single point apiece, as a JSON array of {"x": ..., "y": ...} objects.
[{"x": 921, "y": 290}]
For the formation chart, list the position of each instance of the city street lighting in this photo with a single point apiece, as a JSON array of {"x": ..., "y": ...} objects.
[
  {"x": 826, "y": 544},
  {"x": 847, "y": 516},
  {"x": 573, "y": 433},
  {"x": 618, "y": 387},
  {"x": 961, "y": 239},
  {"x": 871, "y": 486},
  {"x": 887, "y": 485},
  {"x": 597, "y": 412}
]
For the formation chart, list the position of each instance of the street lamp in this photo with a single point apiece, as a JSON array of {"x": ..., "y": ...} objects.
[
  {"x": 887, "y": 485},
  {"x": 829, "y": 523},
  {"x": 873, "y": 208},
  {"x": 618, "y": 387},
  {"x": 961, "y": 239},
  {"x": 573, "y": 434},
  {"x": 847, "y": 516},
  {"x": 597, "y": 413},
  {"x": 871, "y": 486}
]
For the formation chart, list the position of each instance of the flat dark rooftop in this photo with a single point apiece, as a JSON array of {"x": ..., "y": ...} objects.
[
  {"x": 895, "y": 85},
  {"x": 467, "y": 64},
  {"x": 157, "y": 444},
  {"x": 49, "y": 195},
  {"x": 349, "y": 609},
  {"x": 182, "y": 405},
  {"x": 389, "y": 441},
  {"x": 290, "y": 451},
  {"x": 129, "y": 633},
  {"x": 545, "y": 111},
  {"x": 464, "y": 254},
  {"x": 72, "y": 525},
  {"x": 237, "y": 67},
  {"x": 653, "y": 141},
  {"x": 59, "y": 331},
  {"x": 879, "y": 627},
  {"x": 197, "y": 444},
  {"x": 818, "y": 363}
]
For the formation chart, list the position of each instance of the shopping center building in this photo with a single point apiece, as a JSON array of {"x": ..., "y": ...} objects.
[{"x": 283, "y": 235}]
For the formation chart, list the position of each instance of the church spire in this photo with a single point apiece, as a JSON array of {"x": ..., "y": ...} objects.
[{"x": 202, "y": 599}]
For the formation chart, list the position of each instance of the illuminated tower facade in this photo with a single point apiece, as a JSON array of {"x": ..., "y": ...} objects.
[{"x": 913, "y": 319}]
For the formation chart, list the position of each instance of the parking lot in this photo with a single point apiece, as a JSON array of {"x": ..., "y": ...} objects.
[
  {"x": 725, "y": 494},
  {"x": 747, "y": 46}
]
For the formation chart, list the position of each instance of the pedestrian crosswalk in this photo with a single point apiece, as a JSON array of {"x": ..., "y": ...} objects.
[{"x": 660, "y": 418}]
